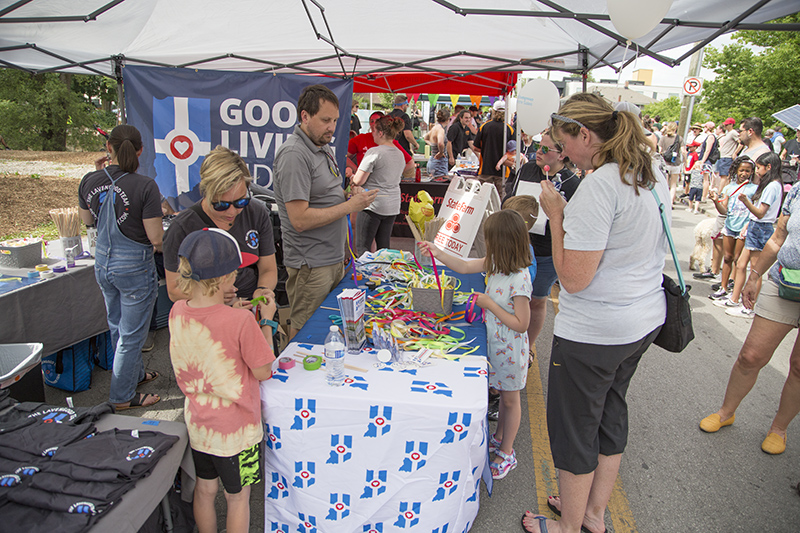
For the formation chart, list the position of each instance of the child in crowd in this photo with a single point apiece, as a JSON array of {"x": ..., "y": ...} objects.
[
  {"x": 691, "y": 157},
  {"x": 764, "y": 208},
  {"x": 528, "y": 207},
  {"x": 507, "y": 297},
  {"x": 219, "y": 355},
  {"x": 737, "y": 216},
  {"x": 509, "y": 159},
  {"x": 696, "y": 178}
]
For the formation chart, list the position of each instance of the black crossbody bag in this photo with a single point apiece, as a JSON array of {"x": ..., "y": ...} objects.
[{"x": 677, "y": 332}]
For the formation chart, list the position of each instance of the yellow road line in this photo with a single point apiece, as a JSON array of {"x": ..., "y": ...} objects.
[
  {"x": 544, "y": 471},
  {"x": 620, "y": 510}
]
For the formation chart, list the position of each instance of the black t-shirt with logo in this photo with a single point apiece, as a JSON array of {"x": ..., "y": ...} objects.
[
  {"x": 531, "y": 172},
  {"x": 252, "y": 229},
  {"x": 457, "y": 134},
  {"x": 492, "y": 145},
  {"x": 137, "y": 198}
]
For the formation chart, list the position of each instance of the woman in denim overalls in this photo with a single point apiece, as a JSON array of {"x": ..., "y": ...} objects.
[{"x": 124, "y": 268}]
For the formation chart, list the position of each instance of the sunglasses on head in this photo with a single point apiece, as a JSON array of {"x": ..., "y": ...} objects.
[{"x": 241, "y": 203}]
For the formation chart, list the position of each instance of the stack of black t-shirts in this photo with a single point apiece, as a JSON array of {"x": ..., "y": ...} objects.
[{"x": 58, "y": 474}]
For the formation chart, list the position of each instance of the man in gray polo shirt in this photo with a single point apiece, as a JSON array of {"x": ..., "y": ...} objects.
[{"x": 312, "y": 205}]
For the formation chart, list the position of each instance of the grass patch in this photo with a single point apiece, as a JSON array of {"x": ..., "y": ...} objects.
[{"x": 47, "y": 231}]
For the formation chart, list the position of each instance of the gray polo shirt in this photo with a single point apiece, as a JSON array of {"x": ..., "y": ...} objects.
[{"x": 305, "y": 171}]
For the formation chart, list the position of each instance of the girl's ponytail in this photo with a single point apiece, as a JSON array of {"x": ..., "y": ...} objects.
[{"x": 126, "y": 141}]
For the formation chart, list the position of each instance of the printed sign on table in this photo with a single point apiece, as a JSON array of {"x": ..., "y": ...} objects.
[{"x": 463, "y": 209}]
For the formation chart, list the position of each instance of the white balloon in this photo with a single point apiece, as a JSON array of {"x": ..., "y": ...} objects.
[
  {"x": 535, "y": 102},
  {"x": 636, "y": 18}
]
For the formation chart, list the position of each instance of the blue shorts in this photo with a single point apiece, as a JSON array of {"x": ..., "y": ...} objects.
[
  {"x": 438, "y": 167},
  {"x": 545, "y": 277},
  {"x": 724, "y": 165},
  {"x": 695, "y": 194},
  {"x": 726, "y": 231},
  {"x": 758, "y": 233}
]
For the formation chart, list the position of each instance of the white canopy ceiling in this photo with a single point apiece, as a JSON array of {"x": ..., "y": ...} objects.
[{"x": 356, "y": 37}]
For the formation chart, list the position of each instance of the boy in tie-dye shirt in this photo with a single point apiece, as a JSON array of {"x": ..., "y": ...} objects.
[{"x": 219, "y": 354}]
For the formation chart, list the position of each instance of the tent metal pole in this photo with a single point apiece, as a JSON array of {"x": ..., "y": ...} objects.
[
  {"x": 123, "y": 119},
  {"x": 584, "y": 52},
  {"x": 726, "y": 27}
]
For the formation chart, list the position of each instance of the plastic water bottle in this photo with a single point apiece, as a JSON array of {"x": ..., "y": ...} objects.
[{"x": 334, "y": 358}]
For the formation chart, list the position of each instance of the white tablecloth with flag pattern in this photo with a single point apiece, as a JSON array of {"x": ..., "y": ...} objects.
[{"x": 391, "y": 450}]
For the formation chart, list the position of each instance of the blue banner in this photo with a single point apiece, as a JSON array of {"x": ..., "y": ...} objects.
[{"x": 183, "y": 113}]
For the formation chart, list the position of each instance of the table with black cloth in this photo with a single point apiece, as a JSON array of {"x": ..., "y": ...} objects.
[
  {"x": 392, "y": 448},
  {"x": 135, "y": 507},
  {"x": 409, "y": 190},
  {"x": 57, "y": 312}
]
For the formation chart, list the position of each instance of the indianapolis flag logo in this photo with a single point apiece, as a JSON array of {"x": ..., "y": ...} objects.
[
  {"x": 341, "y": 449},
  {"x": 182, "y": 136},
  {"x": 376, "y": 483}
]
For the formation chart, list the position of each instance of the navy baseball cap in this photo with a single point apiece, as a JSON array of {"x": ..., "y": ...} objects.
[{"x": 213, "y": 253}]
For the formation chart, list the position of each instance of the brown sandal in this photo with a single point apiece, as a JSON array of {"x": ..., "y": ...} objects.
[
  {"x": 138, "y": 401},
  {"x": 148, "y": 377}
]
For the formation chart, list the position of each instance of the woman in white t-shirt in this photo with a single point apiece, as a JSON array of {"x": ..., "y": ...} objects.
[
  {"x": 608, "y": 251},
  {"x": 764, "y": 210},
  {"x": 382, "y": 169}
]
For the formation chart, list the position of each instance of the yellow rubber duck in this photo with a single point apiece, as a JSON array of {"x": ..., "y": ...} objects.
[{"x": 420, "y": 210}]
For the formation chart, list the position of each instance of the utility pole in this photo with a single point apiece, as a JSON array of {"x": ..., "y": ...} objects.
[{"x": 687, "y": 104}]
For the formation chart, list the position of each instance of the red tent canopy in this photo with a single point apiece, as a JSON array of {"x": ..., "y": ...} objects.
[{"x": 485, "y": 84}]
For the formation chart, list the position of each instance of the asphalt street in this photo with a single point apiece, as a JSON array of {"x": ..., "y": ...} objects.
[{"x": 673, "y": 476}]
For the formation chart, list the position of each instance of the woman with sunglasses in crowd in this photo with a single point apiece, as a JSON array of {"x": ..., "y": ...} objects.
[
  {"x": 548, "y": 156},
  {"x": 227, "y": 205},
  {"x": 608, "y": 251},
  {"x": 126, "y": 208}
]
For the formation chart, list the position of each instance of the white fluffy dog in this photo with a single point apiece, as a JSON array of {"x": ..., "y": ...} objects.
[{"x": 703, "y": 232}]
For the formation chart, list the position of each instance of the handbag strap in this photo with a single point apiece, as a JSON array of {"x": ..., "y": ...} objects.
[{"x": 669, "y": 239}]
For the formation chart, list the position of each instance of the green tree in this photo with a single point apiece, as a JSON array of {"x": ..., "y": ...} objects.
[
  {"x": 50, "y": 111},
  {"x": 668, "y": 109},
  {"x": 753, "y": 82}
]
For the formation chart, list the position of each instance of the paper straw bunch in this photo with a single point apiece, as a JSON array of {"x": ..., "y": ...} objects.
[
  {"x": 68, "y": 221},
  {"x": 431, "y": 229}
]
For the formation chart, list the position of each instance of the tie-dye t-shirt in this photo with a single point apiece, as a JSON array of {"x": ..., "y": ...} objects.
[{"x": 213, "y": 350}]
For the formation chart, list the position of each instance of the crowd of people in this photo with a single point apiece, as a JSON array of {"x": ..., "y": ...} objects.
[{"x": 601, "y": 171}]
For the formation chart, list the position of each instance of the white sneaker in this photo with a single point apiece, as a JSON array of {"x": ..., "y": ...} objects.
[
  {"x": 721, "y": 294},
  {"x": 740, "y": 312},
  {"x": 726, "y": 303}
]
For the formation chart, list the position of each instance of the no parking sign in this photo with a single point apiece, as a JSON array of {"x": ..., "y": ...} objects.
[{"x": 692, "y": 86}]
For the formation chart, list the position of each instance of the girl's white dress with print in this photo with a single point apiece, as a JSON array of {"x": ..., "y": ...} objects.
[{"x": 508, "y": 350}]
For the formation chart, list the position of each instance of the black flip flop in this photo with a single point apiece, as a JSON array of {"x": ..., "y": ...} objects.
[
  {"x": 552, "y": 507},
  {"x": 138, "y": 401},
  {"x": 148, "y": 377},
  {"x": 542, "y": 523}
]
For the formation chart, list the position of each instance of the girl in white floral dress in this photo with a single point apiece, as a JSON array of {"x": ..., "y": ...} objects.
[{"x": 507, "y": 299}]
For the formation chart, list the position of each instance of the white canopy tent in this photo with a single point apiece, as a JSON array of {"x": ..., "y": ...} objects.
[{"x": 364, "y": 39}]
